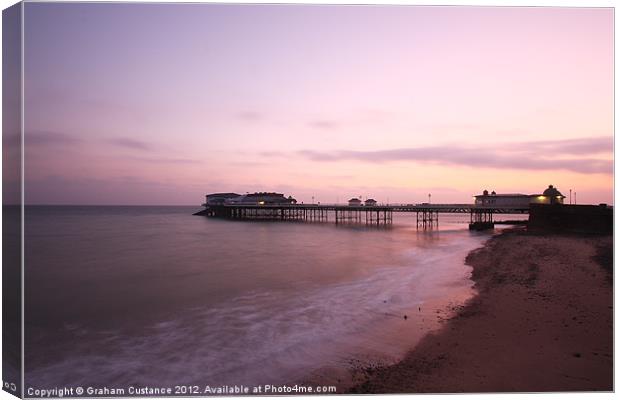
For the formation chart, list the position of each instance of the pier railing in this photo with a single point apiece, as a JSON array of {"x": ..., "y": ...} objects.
[{"x": 442, "y": 208}]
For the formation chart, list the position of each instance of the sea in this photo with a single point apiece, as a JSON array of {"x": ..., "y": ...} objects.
[{"x": 154, "y": 296}]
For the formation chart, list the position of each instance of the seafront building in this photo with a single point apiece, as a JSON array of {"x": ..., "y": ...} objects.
[
  {"x": 354, "y": 202},
  {"x": 551, "y": 195}
]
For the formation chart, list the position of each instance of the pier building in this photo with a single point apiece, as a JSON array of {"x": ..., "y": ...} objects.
[
  {"x": 551, "y": 195},
  {"x": 354, "y": 202},
  {"x": 258, "y": 198}
]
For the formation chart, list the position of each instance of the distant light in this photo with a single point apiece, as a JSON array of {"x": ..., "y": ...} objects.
[
  {"x": 261, "y": 203},
  {"x": 541, "y": 197}
]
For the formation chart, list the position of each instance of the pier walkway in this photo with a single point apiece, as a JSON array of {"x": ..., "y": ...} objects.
[{"x": 427, "y": 215}]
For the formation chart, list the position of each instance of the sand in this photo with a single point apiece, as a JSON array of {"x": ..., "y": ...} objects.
[{"x": 542, "y": 321}]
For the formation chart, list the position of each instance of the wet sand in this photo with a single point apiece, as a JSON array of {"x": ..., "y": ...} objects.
[{"x": 542, "y": 321}]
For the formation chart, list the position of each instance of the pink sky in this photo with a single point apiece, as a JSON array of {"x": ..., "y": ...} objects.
[{"x": 160, "y": 104}]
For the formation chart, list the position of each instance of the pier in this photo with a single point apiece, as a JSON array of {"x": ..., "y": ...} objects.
[{"x": 427, "y": 215}]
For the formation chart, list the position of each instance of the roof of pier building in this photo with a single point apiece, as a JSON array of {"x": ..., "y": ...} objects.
[
  {"x": 493, "y": 194},
  {"x": 223, "y": 195},
  {"x": 264, "y": 194},
  {"x": 552, "y": 192}
]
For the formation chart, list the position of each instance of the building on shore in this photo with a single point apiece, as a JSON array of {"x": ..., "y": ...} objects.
[
  {"x": 551, "y": 195},
  {"x": 355, "y": 202},
  {"x": 370, "y": 202}
]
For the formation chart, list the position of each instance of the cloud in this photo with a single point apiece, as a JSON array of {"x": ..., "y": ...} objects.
[
  {"x": 323, "y": 124},
  {"x": 543, "y": 155},
  {"x": 581, "y": 146},
  {"x": 49, "y": 138},
  {"x": 272, "y": 154},
  {"x": 249, "y": 116},
  {"x": 249, "y": 163},
  {"x": 130, "y": 143},
  {"x": 165, "y": 160}
]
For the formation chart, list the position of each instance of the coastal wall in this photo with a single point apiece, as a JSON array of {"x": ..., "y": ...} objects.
[{"x": 571, "y": 219}]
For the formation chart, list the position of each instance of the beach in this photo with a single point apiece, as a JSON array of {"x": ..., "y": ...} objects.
[{"x": 542, "y": 320}]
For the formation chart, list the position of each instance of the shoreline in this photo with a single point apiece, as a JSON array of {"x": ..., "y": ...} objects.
[{"x": 542, "y": 320}]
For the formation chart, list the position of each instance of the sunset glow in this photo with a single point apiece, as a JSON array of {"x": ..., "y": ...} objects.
[{"x": 160, "y": 104}]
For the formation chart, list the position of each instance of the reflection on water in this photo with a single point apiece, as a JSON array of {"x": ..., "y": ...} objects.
[{"x": 154, "y": 295}]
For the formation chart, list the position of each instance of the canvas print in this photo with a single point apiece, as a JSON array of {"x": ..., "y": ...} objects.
[{"x": 206, "y": 199}]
